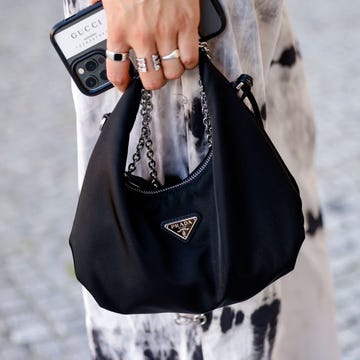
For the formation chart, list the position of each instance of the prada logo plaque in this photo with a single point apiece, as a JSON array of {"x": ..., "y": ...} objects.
[{"x": 182, "y": 227}]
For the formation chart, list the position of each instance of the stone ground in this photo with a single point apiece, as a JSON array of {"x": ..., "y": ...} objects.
[{"x": 41, "y": 314}]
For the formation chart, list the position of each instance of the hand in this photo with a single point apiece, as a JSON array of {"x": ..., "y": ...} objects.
[{"x": 152, "y": 27}]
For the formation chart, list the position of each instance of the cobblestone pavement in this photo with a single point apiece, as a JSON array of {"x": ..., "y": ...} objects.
[
  {"x": 329, "y": 39},
  {"x": 41, "y": 314}
]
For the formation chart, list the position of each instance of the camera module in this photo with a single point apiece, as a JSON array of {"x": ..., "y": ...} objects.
[{"x": 91, "y": 72}]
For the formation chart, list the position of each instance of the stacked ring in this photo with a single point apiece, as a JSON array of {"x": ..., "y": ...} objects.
[
  {"x": 156, "y": 61},
  {"x": 175, "y": 54},
  {"x": 112, "y": 55},
  {"x": 141, "y": 64}
]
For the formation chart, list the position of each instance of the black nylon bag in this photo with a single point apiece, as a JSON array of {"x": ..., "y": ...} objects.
[{"x": 223, "y": 234}]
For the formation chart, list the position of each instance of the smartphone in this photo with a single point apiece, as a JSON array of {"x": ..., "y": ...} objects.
[
  {"x": 212, "y": 19},
  {"x": 80, "y": 41}
]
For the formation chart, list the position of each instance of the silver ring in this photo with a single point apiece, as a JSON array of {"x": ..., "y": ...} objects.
[
  {"x": 156, "y": 62},
  {"x": 175, "y": 54},
  {"x": 141, "y": 64},
  {"x": 112, "y": 55}
]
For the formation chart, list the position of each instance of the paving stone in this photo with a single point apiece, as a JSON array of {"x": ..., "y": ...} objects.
[
  {"x": 74, "y": 344},
  {"x": 13, "y": 305},
  {"x": 83, "y": 355},
  {"x": 27, "y": 328},
  {"x": 12, "y": 352},
  {"x": 346, "y": 264},
  {"x": 66, "y": 321},
  {"x": 349, "y": 340},
  {"x": 30, "y": 333},
  {"x": 349, "y": 319},
  {"x": 56, "y": 301},
  {"x": 47, "y": 350}
]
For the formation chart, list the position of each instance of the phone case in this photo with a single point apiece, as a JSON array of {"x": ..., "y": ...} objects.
[
  {"x": 212, "y": 19},
  {"x": 80, "y": 41}
]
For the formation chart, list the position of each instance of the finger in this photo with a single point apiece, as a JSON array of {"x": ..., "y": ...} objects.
[
  {"x": 118, "y": 71},
  {"x": 188, "y": 47},
  {"x": 92, "y": 2},
  {"x": 151, "y": 78},
  {"x": 172, "y": 66}
]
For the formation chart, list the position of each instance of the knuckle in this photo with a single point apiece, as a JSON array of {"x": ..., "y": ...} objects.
[
  {"x": 115, "y": 39},
  {"x": 115, "y": 33},
  {"x": 183, "y": 20},
  {"x": 188, "y": 20},
  {"x": 118, "y": 81},
  {"x": 141, "y": 36},
  {"x": 121, "y": 87},
  {"x": 189, "y": 62},
  {"x": 163, "y": 30},
  {"x": 173, "y": 74},
  {"x": 154, "y": 84}
]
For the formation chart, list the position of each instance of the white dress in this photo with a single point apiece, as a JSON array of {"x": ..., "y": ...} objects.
[{"x": 294, "y": 317}]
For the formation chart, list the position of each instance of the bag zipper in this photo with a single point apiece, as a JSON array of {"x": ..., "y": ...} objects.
[{"x": 185, "y": 182}]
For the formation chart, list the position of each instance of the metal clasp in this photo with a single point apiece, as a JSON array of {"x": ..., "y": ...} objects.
[
  {"x": 204, "y": 47},
  {"x": 186, "y": 319},
  {"x": 244, "y": 80},
  {"x": 103, "y": 120}
]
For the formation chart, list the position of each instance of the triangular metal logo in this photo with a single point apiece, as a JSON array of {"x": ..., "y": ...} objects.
[{"x": 182, "y": 227}]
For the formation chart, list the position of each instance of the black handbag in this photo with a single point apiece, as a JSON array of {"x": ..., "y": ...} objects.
[{"x": 218, "y": 237}]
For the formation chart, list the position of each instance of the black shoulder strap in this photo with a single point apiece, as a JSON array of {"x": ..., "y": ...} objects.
[{"x": 245, "y": 82}]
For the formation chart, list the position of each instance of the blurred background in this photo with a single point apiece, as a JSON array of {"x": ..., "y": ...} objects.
[{"x": 41, "y": 314}]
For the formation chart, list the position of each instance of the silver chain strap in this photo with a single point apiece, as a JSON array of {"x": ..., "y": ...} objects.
[
  {"x": 206, "y": 116},
  {"x": 145, "y": 140}
]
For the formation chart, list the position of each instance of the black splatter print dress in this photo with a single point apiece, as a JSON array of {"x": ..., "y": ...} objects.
[{"x": 293, "y": 318}]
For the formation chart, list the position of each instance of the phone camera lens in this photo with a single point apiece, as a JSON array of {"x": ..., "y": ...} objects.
[
  {"x": 103, "y": 75},
  {"x": 91, "y": 65},
  {"x": 91, "y": 82}
]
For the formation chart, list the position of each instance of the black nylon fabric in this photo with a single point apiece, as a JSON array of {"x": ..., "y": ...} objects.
[{"x": 248, "y": 233}]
